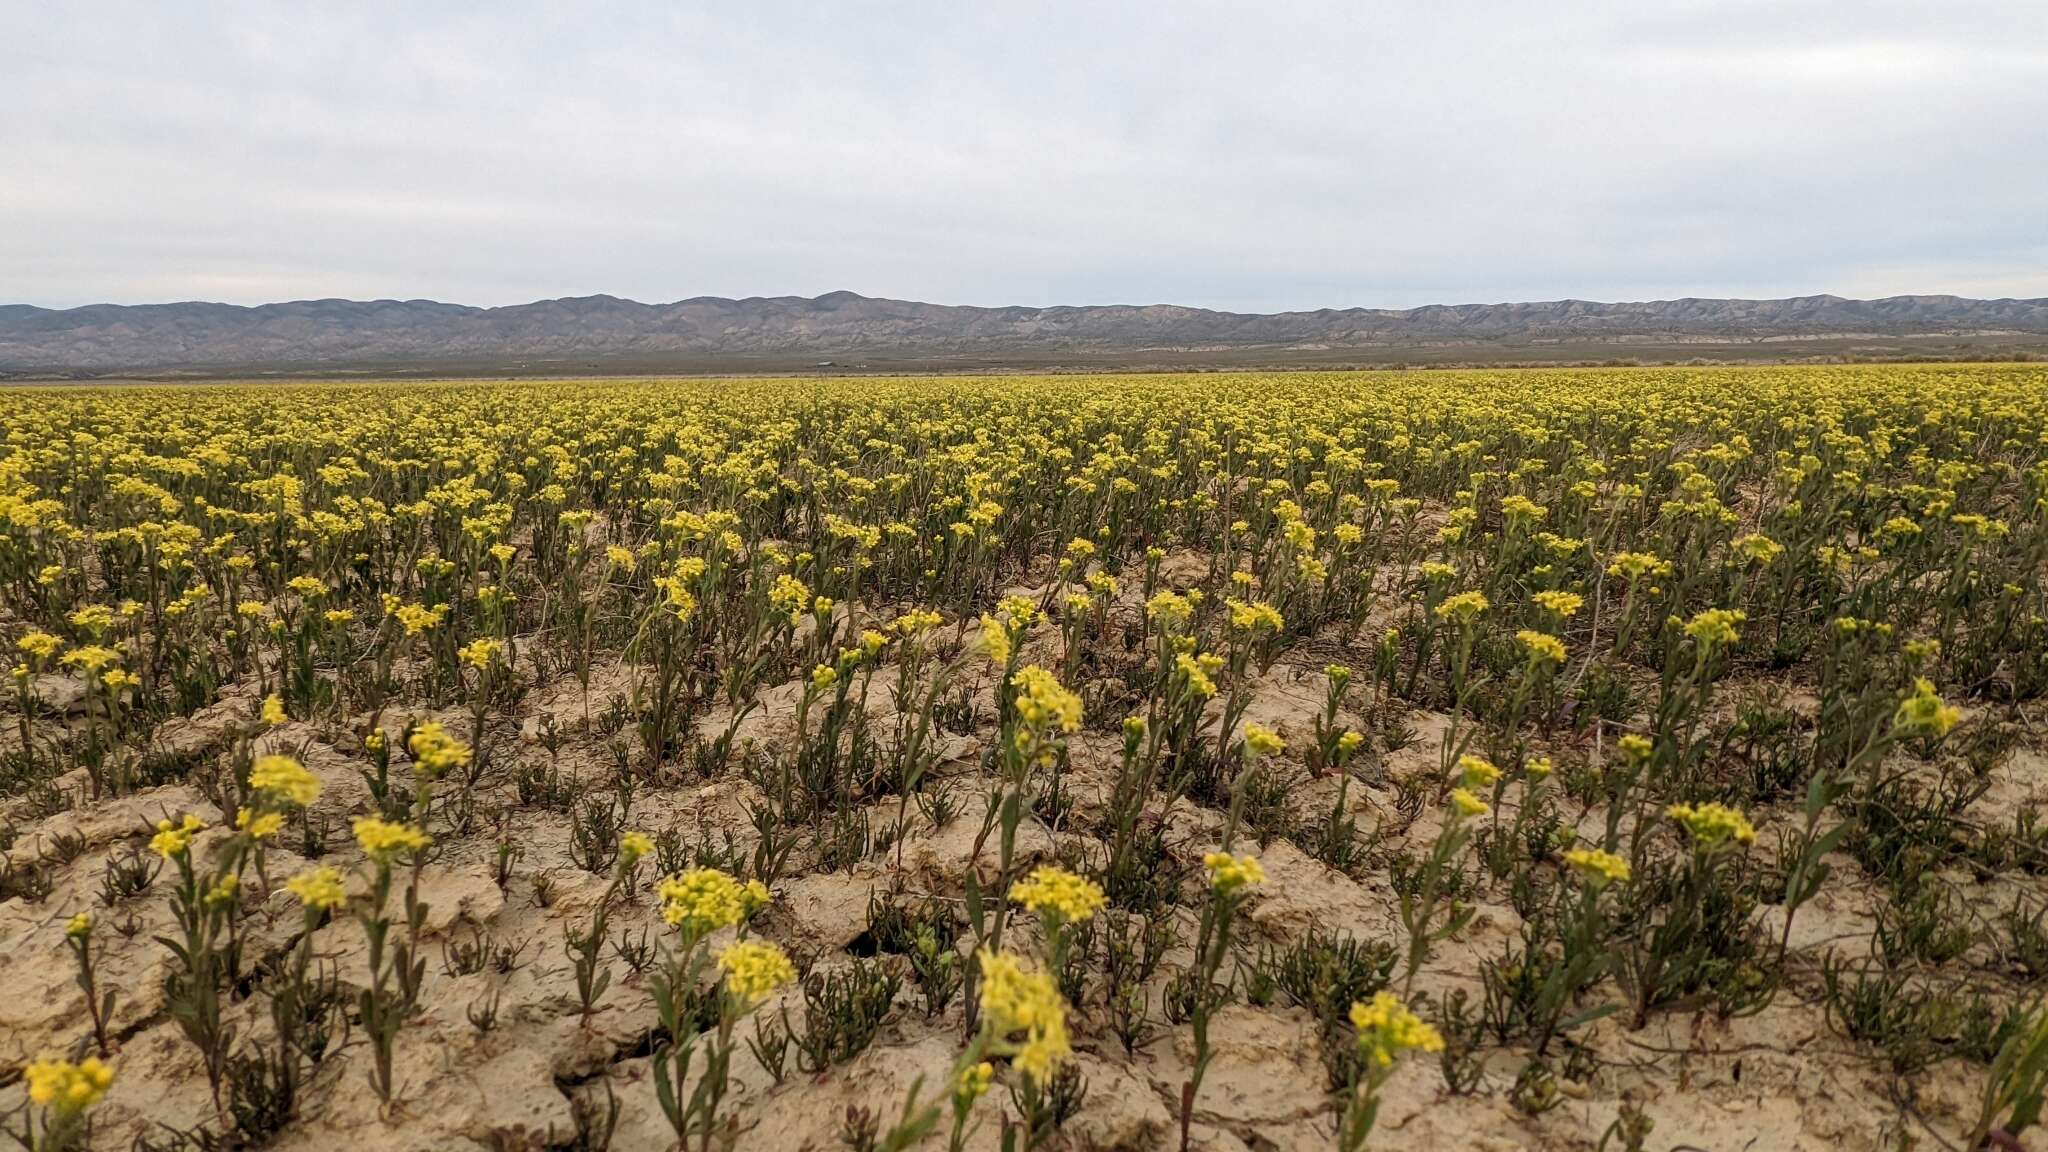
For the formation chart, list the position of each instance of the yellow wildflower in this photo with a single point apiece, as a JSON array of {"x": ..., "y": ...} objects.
[
  {"x": 789, "y": 596},
  {"x": 1715, "y": 627},
  {"x": 1025, "y": 1013},
  {"x": 285, "y": 779},
  {"x": 92, "y": 659},
  {"x": 68, "y": 1088},
  {"x": 1542, "y": 647},
  {"x": 1462, "y": 608},
  {"x": 418, "y": 618},
  {"x": 1923, "y": 713},
  {"x": 1762, "y": 549},
  {"x": 1197, "y": 674},
  {"x": 259, "y": 825},
  {"x": 974, "y": 1081},
  {"x": 1170, "y": 610},
  {"x": 633, "y": 846},
  {"x": 1712, "y": 825},
  {"x": 1477, "y": 772},
  {"x": 1597, "y": 867},
  {"x": 702, "y": 900},
  {"x": 1055, "y": 890},
  {"x": 915, "y": 621},
  {"x": 995, "y": 640},
  {"x": 1229, "y": 874},
  {"x": 1386, "y": 1028},
  {"x": 1464, "y": 803},
  {"x": 1254, "y": 617},
  {"x": 1262, "y": 741},
  {"x": 434, "y": 752},
  {"x": 41, "y": 645},
  {"x": 1042, "y": 703},
  {"x": 174, "y": 840},
  {"x": 320, "y": 888},
  {"x": 481, "y": 653},
  {"x": 382, "y": 840},
  {"x": 1633, "y": 566},
  {"x": 754, "y": 969}
]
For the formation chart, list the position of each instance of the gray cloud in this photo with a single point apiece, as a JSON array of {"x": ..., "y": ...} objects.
[{"x": 1257, "y": 157}]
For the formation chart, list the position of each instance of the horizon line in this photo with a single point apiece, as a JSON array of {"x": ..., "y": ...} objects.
[{"x": 849, "y": 294}]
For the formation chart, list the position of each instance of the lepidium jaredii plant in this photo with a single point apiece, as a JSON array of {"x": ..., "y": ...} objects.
[{"x": 1659, "y": 661}]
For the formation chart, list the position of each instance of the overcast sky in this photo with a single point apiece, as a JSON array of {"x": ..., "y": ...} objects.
[{"x": 1256, "y": 155}]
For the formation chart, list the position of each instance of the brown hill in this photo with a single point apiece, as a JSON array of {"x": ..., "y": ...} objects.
[{"x": 314, "y": 334}]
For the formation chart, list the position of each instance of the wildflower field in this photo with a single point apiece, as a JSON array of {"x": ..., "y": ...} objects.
[{"x": 1595, "y": 759}]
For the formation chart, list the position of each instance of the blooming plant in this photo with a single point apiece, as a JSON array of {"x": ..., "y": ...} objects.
[{"x": 1052, "y": 671}]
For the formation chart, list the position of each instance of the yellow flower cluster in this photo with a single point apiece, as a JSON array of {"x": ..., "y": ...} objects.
[
  {"x": 1054, "y": 890},
  {"x": 1633, "y": 566},
  {"x": 754, "y": 969},
  {"x": 974, "y": 1081},
  {"x": 1762, "y": 549},
  {"x": 383, "y": 841},
  {"x": 1254, "y": 617},
  {"x": 92, "y": 659},
  {"x": 481, "y": 653},
  {"x": 1231, "y": 874},
  {"x": 174, "y": 840},
  {"x": 318, "y": 888},
  {"x": 1599, "y": 868},
  {"x": 703, "y": 900},
  {"x": 1387, "y": 1028},
  {"x": 1025, "y": 1013},
  {"x": 995, "y": 640},
  {"x": 1923, "y": 713},
  {"x": 259, "y": 825},
  {"x": 65, "y": 1087},
  {"x": 1199, "y": 672},
  {"x": 1044, "y": 704},
  {"x": 284, "y": 779},
  {"x": 1169, "y": 610},
  {"x": 916, "y": 621},
  {"x": 1563, "y": 605},
  {"x": 418, "y": 618},
  {"x": 1541, "y": 647},
  {"x": 1715, "y": 627},
  {"x": 434, "y": 752},
  {"x": 40, "y": 645},
  {"x": 1260, "y": 740},
  {"x": 789, "y": 596},
  {"x": 1476, "y": 772},
  {"x": 1465, "y": 804},
  {"x": 1712, "y": 825},
  {"x": 1462, "y": 608},
  {"x": 632, "y": 847}
]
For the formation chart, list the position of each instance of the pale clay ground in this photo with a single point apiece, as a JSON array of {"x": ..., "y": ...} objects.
[{"x": 1783, "y": 1080}]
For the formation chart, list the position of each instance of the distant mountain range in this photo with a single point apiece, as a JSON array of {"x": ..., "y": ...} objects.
[{"x": 311, "y": 335}]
